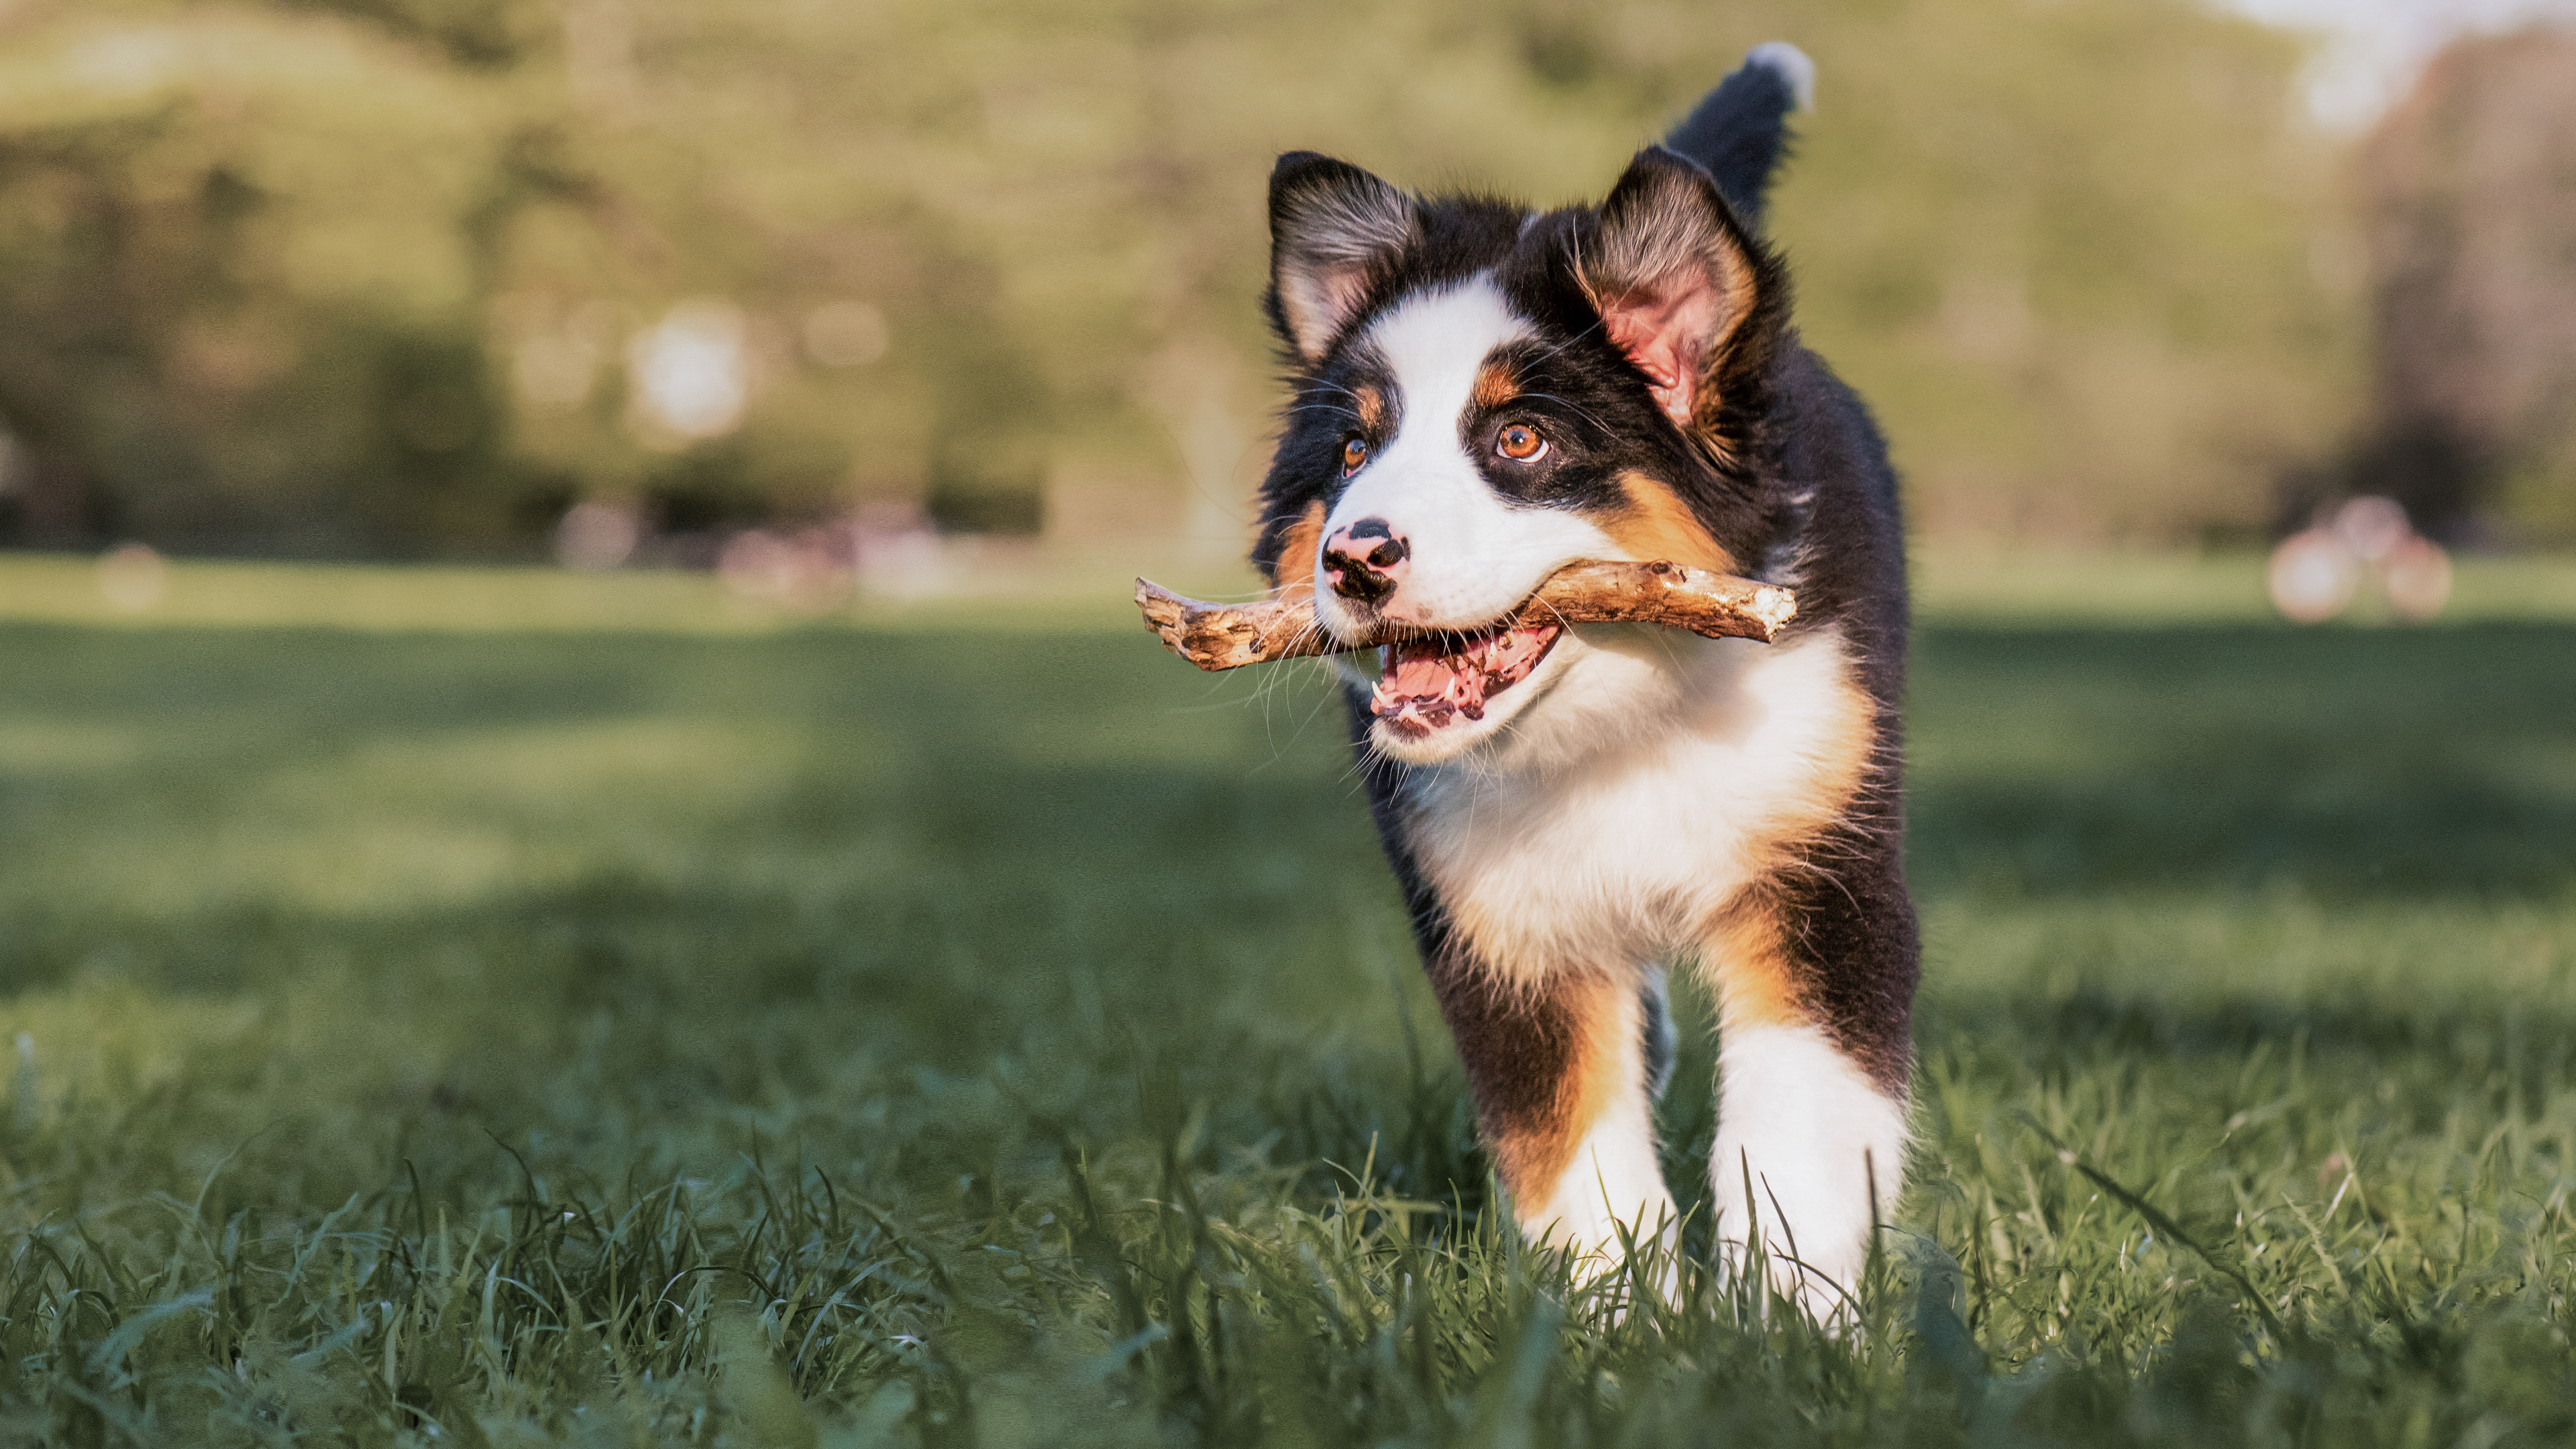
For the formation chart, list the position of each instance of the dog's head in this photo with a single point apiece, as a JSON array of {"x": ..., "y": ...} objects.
[{"x": 1484, "y": 394}]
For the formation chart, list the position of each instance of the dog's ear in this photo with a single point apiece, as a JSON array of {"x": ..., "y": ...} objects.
[
  {"x": 1684, "y": 290},
  {"x": 1335, "y": 231}
]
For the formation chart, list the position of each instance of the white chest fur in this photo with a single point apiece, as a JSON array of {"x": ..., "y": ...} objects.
[{"x": 1619, "y": 813}]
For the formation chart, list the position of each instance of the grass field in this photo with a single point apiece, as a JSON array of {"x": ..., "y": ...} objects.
[{"x": 470, "y": 1008}]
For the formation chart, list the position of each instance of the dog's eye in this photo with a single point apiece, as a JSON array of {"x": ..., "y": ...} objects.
[
  {"x": 1354, "y": 453},
  {"x": 1520, "y": 442}
]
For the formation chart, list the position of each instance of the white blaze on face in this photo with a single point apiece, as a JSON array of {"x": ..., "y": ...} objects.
[{"x": 1474, "y": 555}]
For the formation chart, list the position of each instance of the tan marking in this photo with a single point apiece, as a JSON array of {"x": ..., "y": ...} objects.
[
  {"x": 1371, "y": 405},
  {"x": 1496, "y": 384},
  {"x": 1531, "y": 1154},
  {"x": 1658, "y": 525},
  {"x": 1745, "y": 955},
  {"x": 1747, "y": 964},
  {"x": 1298, "y": 550}
]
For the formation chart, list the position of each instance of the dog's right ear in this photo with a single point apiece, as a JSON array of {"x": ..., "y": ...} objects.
[{"x": 1335, "y": 232}]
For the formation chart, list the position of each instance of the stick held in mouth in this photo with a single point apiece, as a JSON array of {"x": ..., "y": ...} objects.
[{"x": 1225, "y": 636}]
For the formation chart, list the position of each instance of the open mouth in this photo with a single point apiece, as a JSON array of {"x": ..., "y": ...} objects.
[{"x": 1436, "y": 682}]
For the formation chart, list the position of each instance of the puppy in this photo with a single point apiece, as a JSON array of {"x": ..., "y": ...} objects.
[{"x": 1484, "y": 393}]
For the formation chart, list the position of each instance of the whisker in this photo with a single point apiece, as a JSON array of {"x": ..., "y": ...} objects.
[
  {"x": 1558, "y": 614},
  {"x": 1329, "y": 387},
  {"x": 1587, "y": 414},
  {"x": 1597, "y": 325}
]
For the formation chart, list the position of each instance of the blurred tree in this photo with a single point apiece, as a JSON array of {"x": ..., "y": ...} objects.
[
  {"x": 2074, "y": 252},
  {"x": 2469, "y": 189},
  {"x": 373, "y": 274},
  {"x": 203, "y": 278}
]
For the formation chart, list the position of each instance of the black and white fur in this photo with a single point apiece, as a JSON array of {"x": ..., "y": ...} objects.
[{"x": 1484, "y": 393}]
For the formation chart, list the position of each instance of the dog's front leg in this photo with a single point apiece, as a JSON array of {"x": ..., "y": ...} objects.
[
  {"x": 1812, "y": 975},
  {"x": 1557, "y": 1062}
]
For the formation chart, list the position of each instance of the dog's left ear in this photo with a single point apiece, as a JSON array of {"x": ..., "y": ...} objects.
[{"x": 1684, "y": 290}]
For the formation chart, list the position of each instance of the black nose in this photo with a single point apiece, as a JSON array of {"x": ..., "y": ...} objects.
[{"x": 1363, "y": 561}]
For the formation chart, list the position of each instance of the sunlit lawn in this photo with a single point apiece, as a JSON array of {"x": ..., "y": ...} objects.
[{"x": 455, "y": 1006}]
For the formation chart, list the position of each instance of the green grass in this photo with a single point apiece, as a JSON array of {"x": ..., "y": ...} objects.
[{"x": 559, "y": 1010}]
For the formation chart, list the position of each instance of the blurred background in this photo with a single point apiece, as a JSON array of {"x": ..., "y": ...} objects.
[
  {"x": 391, "y": 918},
  {"x": 818, "y": 291}
]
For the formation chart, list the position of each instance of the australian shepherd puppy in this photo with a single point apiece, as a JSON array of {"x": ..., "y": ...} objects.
[{"x": 1484, "y": 393}]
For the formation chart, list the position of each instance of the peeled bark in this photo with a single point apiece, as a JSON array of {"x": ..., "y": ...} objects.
[{"x": 1225, "y": 636}]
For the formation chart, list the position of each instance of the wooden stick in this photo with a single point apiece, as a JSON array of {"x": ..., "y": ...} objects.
[{"x": 1283, "y": 626}]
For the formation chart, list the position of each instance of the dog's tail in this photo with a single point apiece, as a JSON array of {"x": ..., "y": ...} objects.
[{"x": 1739, "y": 131}]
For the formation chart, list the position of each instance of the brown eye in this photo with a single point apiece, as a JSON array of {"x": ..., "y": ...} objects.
[
  {"x": 1520, "y": 442},
  {"x": 1354, "y": 453}
]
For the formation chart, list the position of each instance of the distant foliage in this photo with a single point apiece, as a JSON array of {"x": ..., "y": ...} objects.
[
  {"x": 2470, "y": 189},
  {"x": 376, "y": 276}
]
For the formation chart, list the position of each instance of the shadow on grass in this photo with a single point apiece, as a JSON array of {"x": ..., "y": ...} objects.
[
  {"x": 2346, "y": 763},
  {"x": 1057, "y": 862},
  {"x": 933, "y": 990}
]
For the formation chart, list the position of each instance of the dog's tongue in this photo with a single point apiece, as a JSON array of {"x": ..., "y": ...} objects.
[{"x": 1430, "y": 682}]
